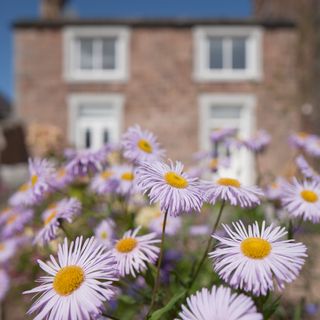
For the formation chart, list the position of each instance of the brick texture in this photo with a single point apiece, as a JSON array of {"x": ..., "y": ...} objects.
[{"x": 161, "y": 94}]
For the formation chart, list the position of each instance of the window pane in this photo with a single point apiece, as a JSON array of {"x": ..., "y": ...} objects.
[
  {"x": 215, "y": 53},
  {"x": 105, "y": 136},
  {"x": 225, "y": 112},
  {"x": 239, "y": 53},
  {"x": 86, "y": 53},
  {"x": 88, "y": 138},
  {"x": 109, "y": 53}
]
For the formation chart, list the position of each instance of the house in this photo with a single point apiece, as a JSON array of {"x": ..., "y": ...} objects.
[{"x": 180, "y": 78}]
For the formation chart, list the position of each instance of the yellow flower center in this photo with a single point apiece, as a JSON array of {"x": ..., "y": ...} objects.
[
  {"x": 2, "y": 246},
  {"x": 24, "y": 187},
  {"x": 106, "y": 174},
  {"x": 145, "y": 146},
  {"x": 255, "y": 248},
  {"x": 175, "y": 180},
  {"x": 34, "y": 180},
  {"x": 213, "y": 163},
  {"x": 68, "y": 279},
  {"x": 229, "y": 182},
  {"x": 126, "y": 245},
  {"x": 11, "y": 219},
  {"x": 50, "y": 217},
  {"x": 302, "y": 135},
  {"x": 309, "y": 195},
  {"x": 61, "y": 172},
  {"x": 129, "y": 176},
  {"x": 103, "y": 235}
]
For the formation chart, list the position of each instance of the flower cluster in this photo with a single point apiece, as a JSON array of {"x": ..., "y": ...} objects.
[{"x": 126, "y": 232}]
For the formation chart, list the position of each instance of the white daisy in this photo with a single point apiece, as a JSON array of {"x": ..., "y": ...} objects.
[
  {"x": 141, "y": 145},
  {"x": 302, "y": 199},
  {"x": 78, "y": 283},
  {"x": 231, "y": 190},
  {"x": 254, "y": 259},
  {"x": 7, "y": 249},
  {"x": 132, "y": 253},
  {"x": 65, "y": 209},
  {"x": 219, "y": 304},
  {"x": 104, "y": 233}
]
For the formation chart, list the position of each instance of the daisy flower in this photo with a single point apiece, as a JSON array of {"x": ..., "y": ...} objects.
[
  {"x": 65, "y": 209},
  {"x": 258, "y": 143},
  {"x": 22, "y": 197},
  {"x": 15, "y": 221},
  {"x": 62, "y": 178},
  {"x": 41, "y": 176},
  {"x": 5, "y": 284},
  {"x": 302, "y": 199},
  {"x": 312, "y": 146},
  {"x": 174, "y": 189},
  {"x": 141, "y": 145},
  {"x": 105, "y": 182},
  {"x": 133, "y": 252},
  {"x": 255, "y": 259},
  {"x": 218, "y": 135},
  {"x": 274, "y": 190},
  {"x": 104, "y": 233},
  {"x": 299, "y": 140},
  {"x": 219, "y": 303},
  {"x": 307, "y": 171},
  {"x": 85, "y": 161},
  {"x": 77, "y": 284},
  {"x": 127, "y": 180},
  {"x": 7, "y": 249},
  {"x": 233, "y": 191}
]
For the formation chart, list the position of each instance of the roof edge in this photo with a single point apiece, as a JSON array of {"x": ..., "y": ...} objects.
[{"x": 148, "y": 22}]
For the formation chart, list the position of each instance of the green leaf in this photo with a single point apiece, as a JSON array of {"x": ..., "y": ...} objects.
[{"x": 160, "y": 312}]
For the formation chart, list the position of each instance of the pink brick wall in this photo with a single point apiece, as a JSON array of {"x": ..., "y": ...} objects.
[{"x": 161, "y": 94}]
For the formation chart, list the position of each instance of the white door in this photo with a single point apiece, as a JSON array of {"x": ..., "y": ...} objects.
[
  {"x": 229, "y": 111},
  {"x": 96, "y": 123}
]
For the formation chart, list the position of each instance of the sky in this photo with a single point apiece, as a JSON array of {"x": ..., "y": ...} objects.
[{"x": 12, "y": 10}]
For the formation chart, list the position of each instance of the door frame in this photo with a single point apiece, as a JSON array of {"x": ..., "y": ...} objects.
[{"x": 77, "y": 99}]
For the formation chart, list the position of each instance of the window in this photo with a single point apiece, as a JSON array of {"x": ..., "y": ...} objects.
[
  {"x": 95, "y": 120},
  {"x": 227, "y": 53},
  {"x": 96, "y": 54},
  {"x": 229, "y": 111}
]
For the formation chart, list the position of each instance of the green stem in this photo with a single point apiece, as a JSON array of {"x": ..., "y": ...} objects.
[
  {"x": 209, "y": 245},
  {"x": 157, "y": 282},
  {"x": 64, "y": 229}
]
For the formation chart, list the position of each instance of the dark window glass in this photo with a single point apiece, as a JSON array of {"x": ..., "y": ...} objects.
[
  {"x": 88, "y": 138},
  {"x": 215, "y": 53},
  {"x": 239, "y": 53},
  {"x": 105, "y": 136},
  {"x": 86, "y": 53},
  {"x": 109, "y": 53}
]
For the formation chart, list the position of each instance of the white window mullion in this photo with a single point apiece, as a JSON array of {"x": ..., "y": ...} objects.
[
  {"x": 227, "y": 53},
  {"x": 96, "y": 54}
]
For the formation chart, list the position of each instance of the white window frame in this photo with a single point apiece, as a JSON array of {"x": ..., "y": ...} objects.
[
  {"x": 75, "y": 101},
  {"x": 254, "y": 58},
  {"x": 71, "y": 54},
  {"x": 248, "y": 124}
]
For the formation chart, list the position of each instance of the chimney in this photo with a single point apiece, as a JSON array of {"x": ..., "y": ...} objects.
[{"x": 52, "y": 9}]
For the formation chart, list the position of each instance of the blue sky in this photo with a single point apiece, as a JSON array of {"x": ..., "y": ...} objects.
[{"x": 11, "y": 10}]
